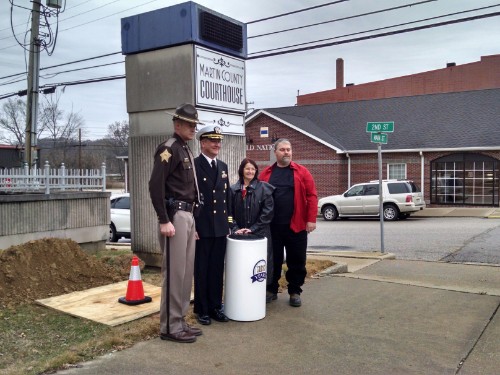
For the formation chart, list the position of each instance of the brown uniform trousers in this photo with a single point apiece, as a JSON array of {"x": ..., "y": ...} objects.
[{"x": 180, "y": 273}]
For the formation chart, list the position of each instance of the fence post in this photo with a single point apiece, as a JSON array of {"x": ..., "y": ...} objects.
[
  {"x": 63, "y": 177},
  {"x": 26, "y": 176},
  {"x": 103, "y": 172},
  {"x": 47, "y": 177}
]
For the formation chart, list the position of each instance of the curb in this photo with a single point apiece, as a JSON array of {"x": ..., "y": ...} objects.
[{"x": 336, "y": 268}]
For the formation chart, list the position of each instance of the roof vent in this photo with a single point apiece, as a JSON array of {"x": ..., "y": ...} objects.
[
  {"x": 349, "y": 84},
  {"x": 449, "y": 65}
]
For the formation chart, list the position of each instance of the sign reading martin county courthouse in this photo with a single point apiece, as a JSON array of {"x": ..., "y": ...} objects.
[{"x": 220, "y": 81}]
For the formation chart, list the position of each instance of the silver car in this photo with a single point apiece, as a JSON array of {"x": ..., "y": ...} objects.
[{"x": 401, "y": 199}]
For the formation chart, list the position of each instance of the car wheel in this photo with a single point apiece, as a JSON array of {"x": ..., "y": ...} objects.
[
  {"x": 113, "y": 237},
  {"x": 330, "y": 213},
  {"x": 391, "y": 212}
]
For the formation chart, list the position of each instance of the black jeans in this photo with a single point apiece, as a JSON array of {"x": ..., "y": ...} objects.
[{"x": 296, "y": 246}]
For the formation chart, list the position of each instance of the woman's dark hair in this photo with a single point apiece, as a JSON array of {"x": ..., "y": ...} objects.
[{"x": 242, "y": 167}]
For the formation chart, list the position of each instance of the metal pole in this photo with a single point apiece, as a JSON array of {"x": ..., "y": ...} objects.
[
  {"x": 380, "y": 197},
  {"x": 32, "y": 94}
]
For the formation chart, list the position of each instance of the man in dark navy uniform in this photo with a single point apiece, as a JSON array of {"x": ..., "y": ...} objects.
[
  {"x": 174, "y": 194},
  {"x": 212, "y": 227}
]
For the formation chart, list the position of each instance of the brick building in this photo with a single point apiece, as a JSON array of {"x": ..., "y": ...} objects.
[
  {"x": 479, "y": 75},
  {"x": 449, "y": 143}
]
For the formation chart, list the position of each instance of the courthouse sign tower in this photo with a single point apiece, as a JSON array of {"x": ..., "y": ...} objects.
[{"x": 185, "y": 53}]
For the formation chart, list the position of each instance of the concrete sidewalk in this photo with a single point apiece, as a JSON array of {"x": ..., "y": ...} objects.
[
  {"x": 487, "y": 212},
  {"x": 386, "y": 317}
]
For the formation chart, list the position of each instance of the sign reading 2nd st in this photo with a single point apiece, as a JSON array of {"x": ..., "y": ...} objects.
[{"x": 380, "y": 127}]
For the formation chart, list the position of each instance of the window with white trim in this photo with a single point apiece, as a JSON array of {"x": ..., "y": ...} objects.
[{"x": 396, "y": 171}]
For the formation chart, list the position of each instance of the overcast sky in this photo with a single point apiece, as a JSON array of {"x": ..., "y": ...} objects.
[{"x": 89, "y": 28}]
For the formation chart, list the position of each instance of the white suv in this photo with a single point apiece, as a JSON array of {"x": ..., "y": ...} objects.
[{"x": 401, "y": 198}]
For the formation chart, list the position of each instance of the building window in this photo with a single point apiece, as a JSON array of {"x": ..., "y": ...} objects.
[
  {"x": 396, "y": 171},
  {"x": 465, "y": 179}
]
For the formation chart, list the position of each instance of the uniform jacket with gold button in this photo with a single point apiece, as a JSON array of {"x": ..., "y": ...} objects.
[{"x": 214, "y": 219}]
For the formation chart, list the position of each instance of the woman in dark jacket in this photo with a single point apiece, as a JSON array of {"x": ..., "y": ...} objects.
[{"x": 253, "y": 206}]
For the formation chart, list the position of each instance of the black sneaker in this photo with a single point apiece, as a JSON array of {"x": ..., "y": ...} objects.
[
  {"x": 295, "y": 300},
  {"x": 271, "y": 297}
]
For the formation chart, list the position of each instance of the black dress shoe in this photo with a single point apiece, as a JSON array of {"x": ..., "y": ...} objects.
[
  {"x": 182, "y": 337},
  {"x": 203, "y": 319},
  {"x": 194, "y": 331},
  {"x": 219, "y": 316}
]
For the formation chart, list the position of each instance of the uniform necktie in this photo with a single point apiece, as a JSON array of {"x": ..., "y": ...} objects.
[{"x": 214, "y": 170}]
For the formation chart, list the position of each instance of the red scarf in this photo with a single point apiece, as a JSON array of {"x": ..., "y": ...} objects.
[{"x": 243, "y": 191}]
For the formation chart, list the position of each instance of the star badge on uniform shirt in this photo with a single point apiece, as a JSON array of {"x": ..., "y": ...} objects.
[{"x": 165, "y": 155}]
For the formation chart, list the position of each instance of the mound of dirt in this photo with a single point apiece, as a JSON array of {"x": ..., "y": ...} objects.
[{"x": 49, "y": 267}]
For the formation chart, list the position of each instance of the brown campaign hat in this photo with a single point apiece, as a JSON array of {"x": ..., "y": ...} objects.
[
  {"x": 209, "y": 132},
  {"x": 186, "y": 112}
]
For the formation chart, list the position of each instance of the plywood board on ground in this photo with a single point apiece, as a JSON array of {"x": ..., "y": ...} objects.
[{"x": 101, "y": 304}]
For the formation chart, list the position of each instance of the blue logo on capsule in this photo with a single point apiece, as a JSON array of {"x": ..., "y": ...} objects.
[{"x": 259, "y": 271}]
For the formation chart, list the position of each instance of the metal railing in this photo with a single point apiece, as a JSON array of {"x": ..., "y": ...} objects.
[{"x": 46, "y": 179}]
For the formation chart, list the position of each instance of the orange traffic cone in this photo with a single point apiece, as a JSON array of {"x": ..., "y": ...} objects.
[{"x": 135, "y": 290}]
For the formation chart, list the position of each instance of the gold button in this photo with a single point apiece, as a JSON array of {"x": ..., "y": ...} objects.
[
  {"x": 215, "y": 212},
  {"x": 215, "y": 200}
]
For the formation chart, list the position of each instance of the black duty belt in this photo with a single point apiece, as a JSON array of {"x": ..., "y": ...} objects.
[{"x": 184, "y": 206}]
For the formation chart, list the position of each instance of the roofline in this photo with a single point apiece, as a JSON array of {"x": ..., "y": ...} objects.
[
  {"x": 449, "y": 149},
  {"x": 262, "y": 111},
  {"x": 255, "y": 113}
]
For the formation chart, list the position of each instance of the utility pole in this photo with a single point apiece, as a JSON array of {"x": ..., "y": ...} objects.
[{"x": 32, "y": 95}]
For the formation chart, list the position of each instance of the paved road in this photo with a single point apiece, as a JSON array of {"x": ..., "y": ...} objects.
[{"x": 453, "y": 239}]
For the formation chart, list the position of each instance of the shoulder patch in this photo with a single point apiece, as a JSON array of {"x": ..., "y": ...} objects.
[{"x": 170, "y": 142}]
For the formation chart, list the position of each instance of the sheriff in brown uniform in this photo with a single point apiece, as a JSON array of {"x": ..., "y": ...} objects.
[
  {"x": 173, "y": 191},
  {"x": 212, "y": 227}
]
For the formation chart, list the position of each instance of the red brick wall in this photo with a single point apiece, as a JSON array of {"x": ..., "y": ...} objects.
[
  {"x": 484, "y": 74},
  {"x": 329, "y": 169}
]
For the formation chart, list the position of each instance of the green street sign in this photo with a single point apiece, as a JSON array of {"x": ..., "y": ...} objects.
[
  {"x": 376, "y": 127},
  {"x": 379, "y": 138}
]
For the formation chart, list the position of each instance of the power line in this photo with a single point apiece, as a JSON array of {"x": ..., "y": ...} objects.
[
  {"x": 71, "y": 7},
  {"x": 377, "y": 29},
  {"x": 110, "y": 15},
  {"x": 71, "y": 83},
  {"x": 376, "y": 35},
  {"x": 102, "y": 79},
  {"x": 295, "y": 11},
  {"x": 86, "y": 68},
  {"x": 67, "y": 63},
  {"x": 341, "y": 19}
]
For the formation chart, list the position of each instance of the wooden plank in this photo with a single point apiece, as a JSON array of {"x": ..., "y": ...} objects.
[{"x": 101, "y": 304}]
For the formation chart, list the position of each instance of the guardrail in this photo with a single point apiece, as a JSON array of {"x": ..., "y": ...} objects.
[{"x": 46, "y": 179}]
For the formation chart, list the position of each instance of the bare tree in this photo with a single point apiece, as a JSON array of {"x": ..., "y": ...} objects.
[
  {"x": 13, "y": 122},
  {"x": 56, "y": 123},
  {"x": 117, "y": 138},
  {"x": 62, "y": 129},
  {"x": 118, "y": 133}
]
